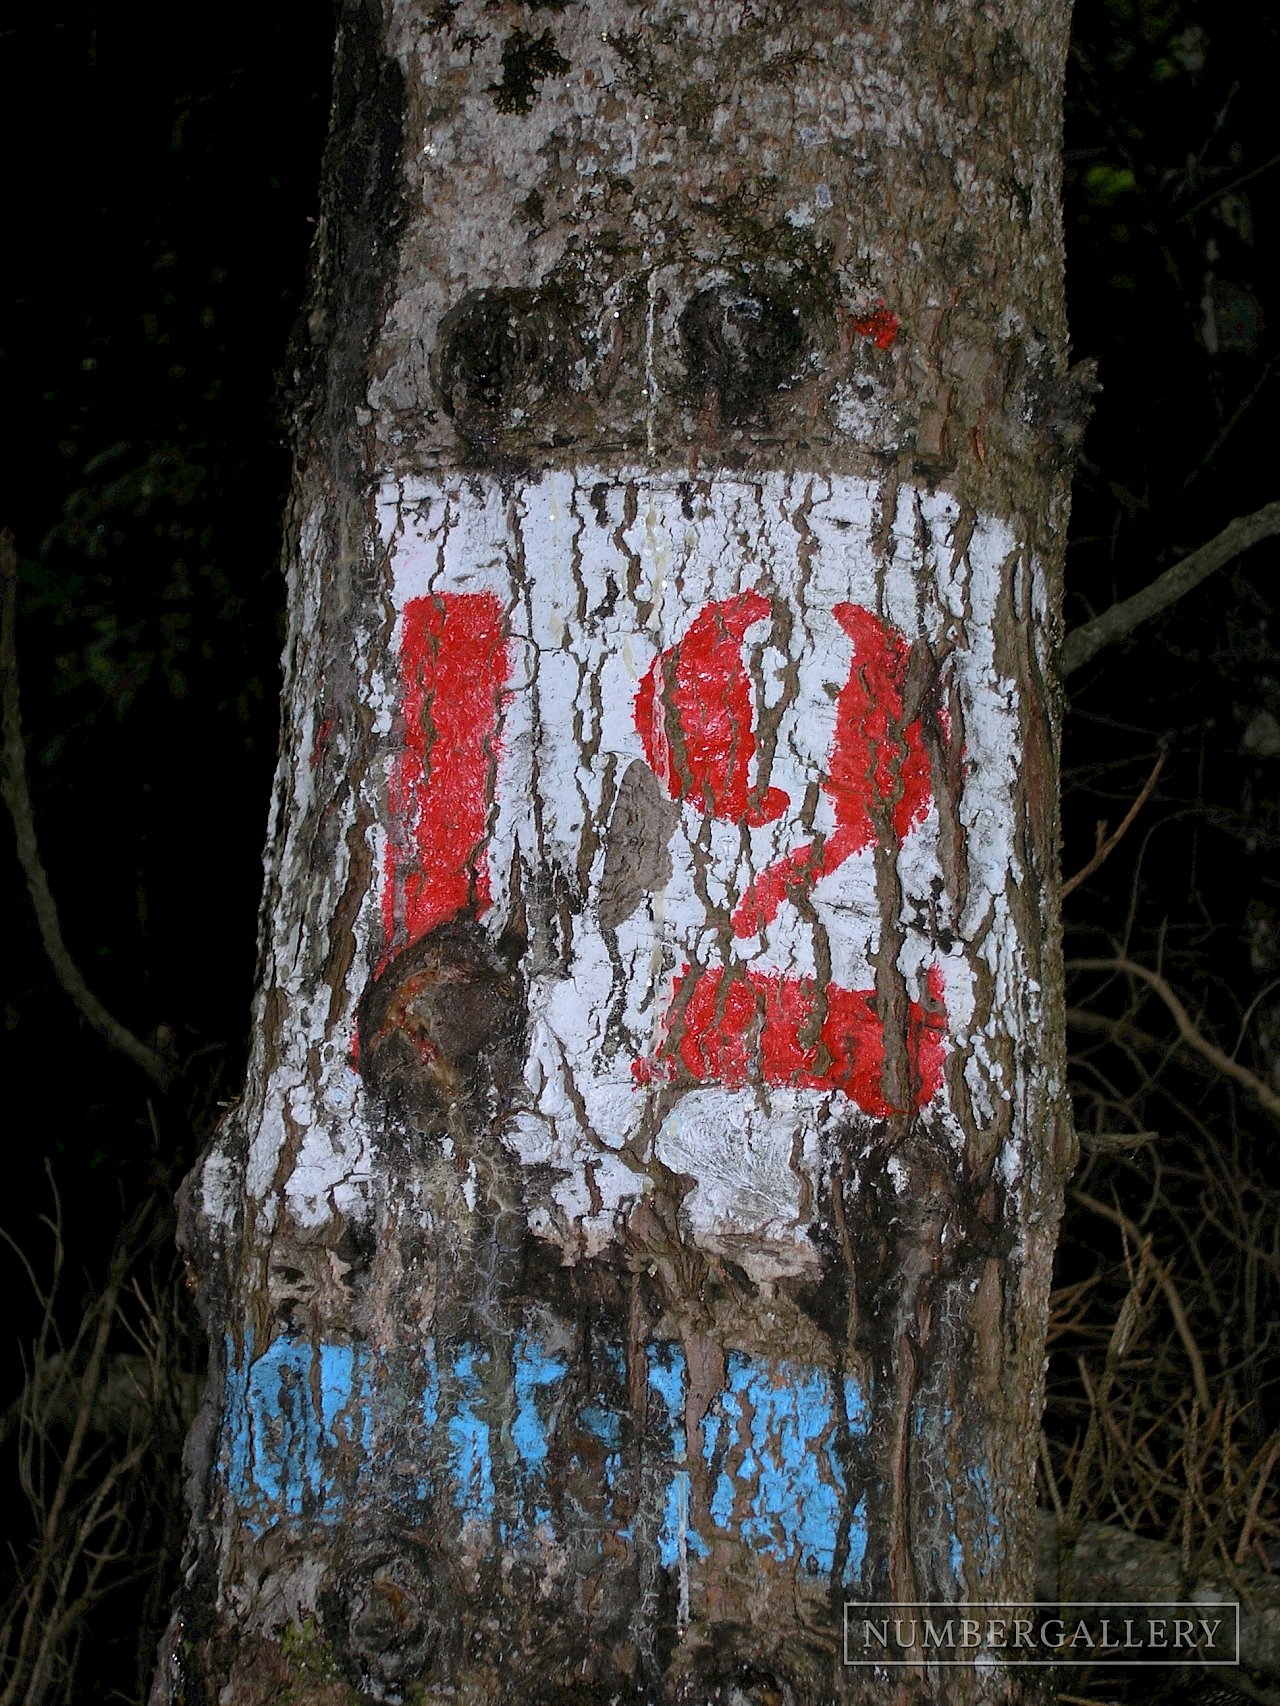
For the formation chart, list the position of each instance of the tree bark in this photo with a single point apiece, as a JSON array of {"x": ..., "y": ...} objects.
[{"x": 635, "y": 1237}]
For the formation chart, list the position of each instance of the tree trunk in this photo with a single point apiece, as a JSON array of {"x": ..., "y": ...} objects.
[{"x": 635, "y": 1237}]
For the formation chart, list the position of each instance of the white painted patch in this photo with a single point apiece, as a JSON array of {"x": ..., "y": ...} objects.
[{"x": 598, "y": 574}]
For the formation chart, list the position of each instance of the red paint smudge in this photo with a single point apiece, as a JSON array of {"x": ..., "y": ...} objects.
[
  {"x": 767, "y": 1027},
  {"x": 323, "y": 734},
  {"x": 881, "y": 326},
  {"x": 874, "y": 763},
  {"x": 702, "y": 686},
  {"x": 454, "y": 664}
]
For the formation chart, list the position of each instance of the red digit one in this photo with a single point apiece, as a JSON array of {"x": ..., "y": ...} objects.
[
  {"x": 454, "y": 665},
  {"x": 733, "y": 1025}
]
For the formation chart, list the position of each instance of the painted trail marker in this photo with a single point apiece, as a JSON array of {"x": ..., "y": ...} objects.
[{"x": 684, "y": 737}]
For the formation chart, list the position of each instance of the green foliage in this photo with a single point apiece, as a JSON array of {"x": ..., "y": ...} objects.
[
  {"x": 309, "y": 1655},
  {"x": 1105, "y": 184}
]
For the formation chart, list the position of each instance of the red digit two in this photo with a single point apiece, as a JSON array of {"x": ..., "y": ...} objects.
[{"x": 737, "y": 1023}]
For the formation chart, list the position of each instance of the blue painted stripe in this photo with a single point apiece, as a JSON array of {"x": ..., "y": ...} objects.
[
  {"x": 536, "y": 1377},
  {"x": 305, "y": 1428},
  {"x": 278, "y": 1427},
  {"x": 471, "y": 1454},
  {"x": 773, "y": 1448}
]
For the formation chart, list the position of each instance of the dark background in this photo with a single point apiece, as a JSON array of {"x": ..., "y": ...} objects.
[{"x": 161, "y": 173}]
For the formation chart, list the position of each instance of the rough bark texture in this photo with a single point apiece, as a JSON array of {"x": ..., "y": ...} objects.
[{"x": 635, "y": 1237}]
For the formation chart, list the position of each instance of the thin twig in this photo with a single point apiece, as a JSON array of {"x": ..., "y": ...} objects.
[
  {"x": 1104, "y": 849},
  {"x": 1187, "y": 1030},
  {"x": 1261, "y": 1486},
  {"x": 1121, "y": 619},
  {"x": 1164, "y": 1280},
  {"x": 1122, "y": 1331},
  {"x": 1115, "y": 1142},
  {"x": 1050, "y": 1479},
  {"x": 17, "y": 798}
]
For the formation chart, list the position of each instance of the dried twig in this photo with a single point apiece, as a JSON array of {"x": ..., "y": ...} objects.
[
  {"x": 17, "y": 799},
  {"x": 1123, "y": 1331},
  {"x": 1105, "y": 848},
  {"x": 1115, "y": 1142},
  {"x": 94, "y": 1474},
  {"x": 1261, "y": 1486},
  {"x": 1164, "y": 1280},
  {"x": 1121, "y": 619},
  {"x": 1188, "y": 1031}
]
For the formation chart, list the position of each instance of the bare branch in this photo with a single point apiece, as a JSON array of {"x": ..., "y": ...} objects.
[
  {"x": 1187, "y": 1029},
  {"x": 1087, "y": 641},
  {"x": 17, "y": 798},
  {"x": 1116, "y": 1142},
  {"x": 1106, "y": 847},
  {"x": 1164, "y": 1279}
]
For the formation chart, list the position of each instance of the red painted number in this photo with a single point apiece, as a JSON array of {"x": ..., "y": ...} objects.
[
  {"x": 877, "y": 769},
  {"x": 755, "y": 1025},
  {"x": 454, "y": 665},
  {"x": 730, "y": 1025},
  {"x": 694, "y": 713}
]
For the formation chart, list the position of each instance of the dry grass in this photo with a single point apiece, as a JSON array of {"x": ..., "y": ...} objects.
[
  {"x": 94, "y": 1443},
  {"x": 1164, "y": 1396}
]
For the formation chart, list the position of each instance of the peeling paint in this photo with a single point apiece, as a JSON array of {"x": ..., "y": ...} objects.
[
  {"x": 303, "y": 1432},
  {"x": 881, "y": 326},
  {"x": 770, "y": 1029},
  {"x": 755, "y": 645},
  {"x": 595, "y": 580},
  {"x": 286, "y": 1421}
]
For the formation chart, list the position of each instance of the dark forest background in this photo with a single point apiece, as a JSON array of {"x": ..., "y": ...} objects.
[{"x": 161, "y": 168}]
